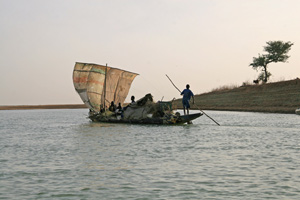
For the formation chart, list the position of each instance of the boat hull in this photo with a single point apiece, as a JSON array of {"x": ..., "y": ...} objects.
[{"x": 162, "y": 120}]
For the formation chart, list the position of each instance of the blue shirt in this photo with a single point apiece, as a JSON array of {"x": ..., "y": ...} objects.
[{"x": 187, "y": 94}]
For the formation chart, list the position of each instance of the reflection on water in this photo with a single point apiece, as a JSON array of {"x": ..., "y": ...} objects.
[{"x": 59, "y": 154}]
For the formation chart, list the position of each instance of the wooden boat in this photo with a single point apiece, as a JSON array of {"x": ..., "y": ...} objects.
[
  {"x": 99, "y": 85},
  {"x": 162, "y": 120},
  {"x": 297, "y": 111}
]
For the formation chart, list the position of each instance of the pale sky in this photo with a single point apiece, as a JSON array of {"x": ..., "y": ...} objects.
[{"x": 206, "y": 43}]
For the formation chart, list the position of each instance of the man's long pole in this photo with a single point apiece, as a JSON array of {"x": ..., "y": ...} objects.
[{"x": 195, "y": 104}]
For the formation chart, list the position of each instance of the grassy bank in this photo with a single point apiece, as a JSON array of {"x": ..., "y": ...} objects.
[{"x": 279, "y": 97}]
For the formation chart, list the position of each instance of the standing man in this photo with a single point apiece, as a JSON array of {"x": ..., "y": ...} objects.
[{"x": 187, "y": 94}]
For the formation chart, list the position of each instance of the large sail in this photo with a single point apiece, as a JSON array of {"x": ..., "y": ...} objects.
[{"x": 99, "y": 85}]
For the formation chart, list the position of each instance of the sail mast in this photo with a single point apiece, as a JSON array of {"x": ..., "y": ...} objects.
[{"x": 105, "y": 86}]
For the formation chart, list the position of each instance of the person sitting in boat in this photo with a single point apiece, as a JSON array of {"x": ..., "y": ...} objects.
[
  {"x": 119, "y": 110},
  {"x": 112, "y": 107},
  {"x": 132, "y": 99},
  {"x": 119, "y": 107},
  {"x": 187, "y": 94},
  {"x": 132, "y": 102},
  {"x": 102, "y": 110}
]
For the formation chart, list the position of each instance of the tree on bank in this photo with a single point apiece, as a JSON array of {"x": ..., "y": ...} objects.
[{"x": 276, "y": 52}]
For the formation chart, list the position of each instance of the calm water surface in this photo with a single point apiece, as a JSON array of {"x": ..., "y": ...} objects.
[{"x": 59, "y": 154}]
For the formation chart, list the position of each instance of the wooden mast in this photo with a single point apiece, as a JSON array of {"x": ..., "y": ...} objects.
[{"x": 105, "y": 87}]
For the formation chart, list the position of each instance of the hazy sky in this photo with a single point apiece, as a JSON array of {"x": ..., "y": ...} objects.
[{"x": 206, "y": 43}]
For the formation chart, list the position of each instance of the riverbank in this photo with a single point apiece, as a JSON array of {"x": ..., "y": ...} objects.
[
  {"x": 278, "y": 97},
  {"x": 28, "y": 107}
]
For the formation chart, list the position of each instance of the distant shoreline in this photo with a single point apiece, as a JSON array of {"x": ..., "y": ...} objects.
[
  {"x": 30, "y": 107},
  {"x": 278, "y": 97}
]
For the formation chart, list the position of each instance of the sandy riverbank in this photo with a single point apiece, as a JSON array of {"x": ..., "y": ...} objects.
[{"x": 27, "y": 107}]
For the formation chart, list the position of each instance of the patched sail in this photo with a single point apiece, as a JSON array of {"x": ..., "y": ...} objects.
[{"x": 99, "y": 85}]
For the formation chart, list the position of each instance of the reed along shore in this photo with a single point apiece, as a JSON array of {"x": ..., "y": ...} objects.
[{"x": 278, "y": 97}]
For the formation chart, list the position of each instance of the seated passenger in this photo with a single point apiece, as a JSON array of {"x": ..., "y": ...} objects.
[
  {"x": 119, "y": 110},
  {"x": 112, "y": 107},
  {"x": 132, "y": 99},
  {"x": 102, "y": 110},
  {"x": 132, "y": 102}
]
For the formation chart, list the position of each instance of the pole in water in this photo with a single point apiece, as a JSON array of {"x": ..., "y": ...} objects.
[
  {"x": 206, "y": 115},
  {"x": 195, "y": 104}
]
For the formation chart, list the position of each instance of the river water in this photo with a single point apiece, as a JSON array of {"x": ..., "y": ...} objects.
[{"x": 60, "y": 154}]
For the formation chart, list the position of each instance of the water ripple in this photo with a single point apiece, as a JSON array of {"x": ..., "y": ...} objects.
[{"x": 59, "y": 154}]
